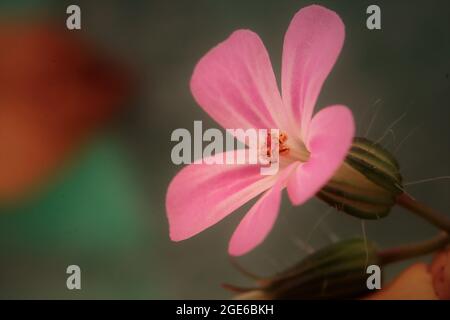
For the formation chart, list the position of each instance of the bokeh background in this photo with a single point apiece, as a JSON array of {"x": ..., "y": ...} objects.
[{"x": 103, "y": 208}]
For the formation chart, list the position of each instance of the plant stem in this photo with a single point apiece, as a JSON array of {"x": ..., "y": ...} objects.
[
  {"x": 414, "y": 250},
  {"x": 437, "y": 219}
]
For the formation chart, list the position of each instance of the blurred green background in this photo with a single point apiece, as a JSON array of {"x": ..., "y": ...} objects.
[{"x": 105, "y": 211}]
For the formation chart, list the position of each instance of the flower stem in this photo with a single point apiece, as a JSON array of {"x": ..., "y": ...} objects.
[
  {"x": 414, "y": 250},
  {"x": 437, "y": 219}
]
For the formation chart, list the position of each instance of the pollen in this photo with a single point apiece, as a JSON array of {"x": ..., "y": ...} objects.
[{"x": 282, "y": 147}]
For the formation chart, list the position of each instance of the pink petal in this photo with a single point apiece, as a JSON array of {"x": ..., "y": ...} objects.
[
  {"x": 258, "y": 222},
  {"x": 235, "y": 84},
  {"x": 201, "y": 195},
  {"x": 329, "y": 138},
  {"x": 312, "y": 44}
]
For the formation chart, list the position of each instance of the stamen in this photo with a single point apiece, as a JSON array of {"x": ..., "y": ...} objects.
[
  {"x": 289, "y": 151},
  {"x": 283, "y": 148}
]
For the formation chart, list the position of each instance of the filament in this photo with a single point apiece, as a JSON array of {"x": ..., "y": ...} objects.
[{"x": 426, "y": 180}]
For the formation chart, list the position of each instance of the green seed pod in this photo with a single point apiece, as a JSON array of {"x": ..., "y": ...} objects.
[
  {"x": 335, "y": 272},
  {"x": 367, "y": 183}
]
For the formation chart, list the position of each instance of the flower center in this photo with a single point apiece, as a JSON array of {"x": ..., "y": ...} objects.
[
  {"x": 286, "y": 152},
  {"x": 299, "y": 152}
]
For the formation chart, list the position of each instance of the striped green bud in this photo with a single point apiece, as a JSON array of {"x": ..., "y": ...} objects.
[
  {"x": 335, "y": 272},
  {"x": 367, "y": 183}
]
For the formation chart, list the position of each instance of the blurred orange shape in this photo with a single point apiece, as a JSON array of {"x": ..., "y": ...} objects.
[
  {"x": 415, "y": 283},
  {"x": 420, "y": 282},
  {"x": 55, "y": 89},
  {"x": 440, "y": 271}
]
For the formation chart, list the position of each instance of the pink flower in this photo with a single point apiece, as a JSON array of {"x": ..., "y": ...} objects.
[{"x": 235, "y": 84}]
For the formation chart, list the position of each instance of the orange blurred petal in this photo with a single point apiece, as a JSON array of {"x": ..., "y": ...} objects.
[
  {"x": 54, "y": 90},
  {"x": 440, "y": 271},
  {"x": 415, "y": 283}
]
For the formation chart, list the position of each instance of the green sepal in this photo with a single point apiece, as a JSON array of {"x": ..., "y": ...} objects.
[
  {"x": 376, "y": 164},
  {"x": 367, "y": 184},
  {"x": 335, "y": 272}
]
